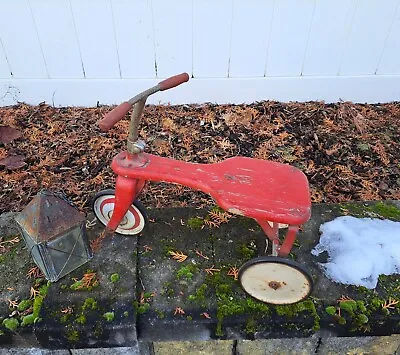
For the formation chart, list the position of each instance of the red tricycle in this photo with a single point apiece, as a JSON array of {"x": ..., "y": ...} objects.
[{"x": 273, "y": 194}]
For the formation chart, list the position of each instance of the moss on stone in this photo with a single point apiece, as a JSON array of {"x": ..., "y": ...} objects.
[
  {"x": 199, "y": 296},
  {"x": 189, "y": 318},
  {"x": 230, "y": 303},
  {"x": 24, "y": 305},
  {"x": 186, "y": 272},
  {"x": 349, "y": 306},
  {"x": 81, "y": 319},
  {"x": 126, "y": 314},
  {"x": 362, "y": 319},
  {"x": 387, "y": 210},
  {"x": 141, "y": 308},
  {"x": 380, "y": 209},
  {"x": 109, "y": 316},
  {"x": 114, "y": 278},
  {"x": 251, "y": 326},
  {"x": 89, "y": 304},
  {"x": 195, "y": 222},
  {"x": 331, "y": 310},
  {"x": 38, "y": 301},
  {"x": 246, "y": 252},
  {"x": 160, "y": 314},
  {"x": 28, "y": 320},
  {"x": 73, "y": 335},
  {"x": 11, "y": 324},
  {"x": 293, "y": 310}
]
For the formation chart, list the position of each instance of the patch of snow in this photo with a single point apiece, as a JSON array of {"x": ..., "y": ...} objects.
[{"x": 359, "y": 249}]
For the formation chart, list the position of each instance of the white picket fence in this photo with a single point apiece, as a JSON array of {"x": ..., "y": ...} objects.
[{"x": 80, "y": 52}]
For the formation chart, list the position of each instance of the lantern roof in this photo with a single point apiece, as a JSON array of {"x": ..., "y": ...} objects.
[{"x": 47, "y": 216}]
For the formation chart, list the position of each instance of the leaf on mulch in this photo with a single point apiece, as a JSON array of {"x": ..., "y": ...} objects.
[
  {"x": 13, "y": 162},
  {"x": 8, "y": 134}
]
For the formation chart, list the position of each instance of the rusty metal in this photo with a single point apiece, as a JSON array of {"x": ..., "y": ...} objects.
[
  {"x": 47, "y": 215},
  {"x": 55, "y": 234},
  {"x": 274, "y": 284}
]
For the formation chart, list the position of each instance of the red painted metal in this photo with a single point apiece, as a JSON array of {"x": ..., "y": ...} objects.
[
  {"x": 126, "y": 190},
  {"x": 289, "y": 241},
  {"x": 259, "y": 189}
]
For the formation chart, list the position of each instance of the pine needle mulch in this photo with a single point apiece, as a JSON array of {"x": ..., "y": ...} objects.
[{"x": 348, "y": 151}]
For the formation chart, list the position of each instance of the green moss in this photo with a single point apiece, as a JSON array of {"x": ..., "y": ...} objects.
[
  {"x": 89, "y": 304},
  {"x": 73, "y": 335},
  {"x": 189, "y": 318},
  {"x": 379, "y": 209},
  {"x": 126, "y": 314},
  {"x": 342, "y": 321},
  {"x": 293, "y": 310},
  {"x": 199, "y": 297},
  {"x": 108, "y": 316},
  {"x": 245, "y": 252},
  {"x": 160, "y": 314},
  {"x": 24, "y": 305},
  {"x": 81, "y": 319},
  {"x": 331, "y": 310},
  {"x": 141, "y": 308},
  {"x": 387, "y": 210},
  {"x": 349, "y": 306},
  {"x": 114, "y": 278},
  {"x": 38, "y": 301},
  {"x": 28, "y": 320},
  {"x": 64, "y": 318},
  {"x": 1, "y": 333},
  {"x": 251, "y": 326},
  {"x": 362, "y": 319},
  {"x": 195, "y": 223},
  {"x": 11, "y": 324},
  {"x": 361, "y": 306},
  {"x": 186, "y": 272}
]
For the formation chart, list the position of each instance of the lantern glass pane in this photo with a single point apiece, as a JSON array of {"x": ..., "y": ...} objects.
[{"x": 67, "y": 251}]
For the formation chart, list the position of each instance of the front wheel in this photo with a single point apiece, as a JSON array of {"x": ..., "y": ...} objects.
[
  {"x": 275, "y": 280},
  {"x": 134, "y": 220}
]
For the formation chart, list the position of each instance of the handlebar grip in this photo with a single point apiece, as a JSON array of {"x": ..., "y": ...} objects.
[
  {"x": 117, "y": 114},
  {"x": 173, "y": 81}
]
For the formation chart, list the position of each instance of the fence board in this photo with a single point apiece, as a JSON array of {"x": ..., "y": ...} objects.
[
  {"x": 173, "y": 39},
  {"x": 389, "y": 62},
  {"x": 56, "y": 31},
  {"x": 21, "y": 43},
  {"x": 135, "y": 39},
  {"x": 4, "y": 69},
  {"x": 250, "y": 41},
  {"x": 329, "y": 31},
  {"x": 369, "y": 30},
  {"x": 96, "y": 37},
  {"x": 289, "y": 35},
  {"x": 211, "y": 37}
]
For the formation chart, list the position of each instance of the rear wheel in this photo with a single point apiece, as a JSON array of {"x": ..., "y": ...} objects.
[
  {"x": 134, "y": 220},
  {"x": 275, "y": 280}
]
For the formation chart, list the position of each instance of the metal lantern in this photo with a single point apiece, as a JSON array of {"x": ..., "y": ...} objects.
[{"x": 55, "y": 234}]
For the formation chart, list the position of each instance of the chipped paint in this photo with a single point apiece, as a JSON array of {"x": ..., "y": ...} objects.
[{"x": 236, "y": 211}]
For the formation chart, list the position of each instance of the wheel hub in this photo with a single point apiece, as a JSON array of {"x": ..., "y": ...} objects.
[
  {"x": 274, "y": 284},
  {"x": 123, "y": 222}
]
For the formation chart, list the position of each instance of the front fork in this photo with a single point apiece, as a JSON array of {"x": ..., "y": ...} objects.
[
  {"x": 126, "y": 191},
  {"x": 272, "y": 233}
]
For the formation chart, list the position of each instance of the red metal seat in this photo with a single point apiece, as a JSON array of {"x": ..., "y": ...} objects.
[{"x": 259, "y": 189}]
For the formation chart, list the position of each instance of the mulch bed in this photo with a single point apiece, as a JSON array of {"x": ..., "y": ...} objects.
[{"x": 348, "y": 151}]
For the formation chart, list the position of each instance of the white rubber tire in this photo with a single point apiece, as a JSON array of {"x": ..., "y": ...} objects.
[
  {"x": 275, "y": 280},
  {"x": 134, "y": 220}
]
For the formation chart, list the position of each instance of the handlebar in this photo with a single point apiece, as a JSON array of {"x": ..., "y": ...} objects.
[{"x": 118, "y": 113}]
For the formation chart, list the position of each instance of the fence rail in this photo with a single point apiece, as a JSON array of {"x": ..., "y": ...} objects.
[{"x": 78, "y": 52}]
